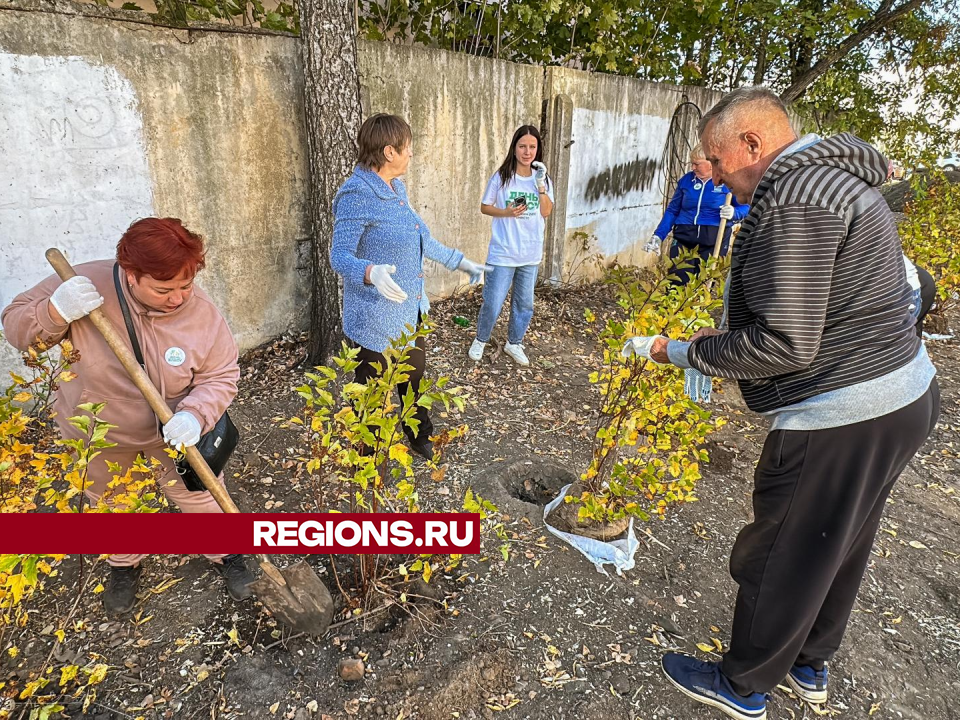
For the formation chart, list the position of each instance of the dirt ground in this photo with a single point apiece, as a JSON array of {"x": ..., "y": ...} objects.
[{"x": 541, "y": 634}]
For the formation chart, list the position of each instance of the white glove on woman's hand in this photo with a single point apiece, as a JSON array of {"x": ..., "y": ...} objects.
[
  {"x": 640, "y": 347},
  {"x": 381, "y": 280},
  {"x": 474, "y": 270},
  {"x": 726, "y": 212},
  {"x": 653, "y": 245},
  {"x": 539, "y": 175},
  {"x": 76, "y": 298},
  {"x": 183, "y": 429}
]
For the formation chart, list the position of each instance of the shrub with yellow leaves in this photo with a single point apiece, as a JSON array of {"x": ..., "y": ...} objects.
[
  {"x": 38, "y": 471},
  {"x": 358, "y": 459},
  {"x": 930, "y": 231},
  {"x": 647, "y": 445}
]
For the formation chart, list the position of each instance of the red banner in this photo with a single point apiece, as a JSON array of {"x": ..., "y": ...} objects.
[{"x": 273, "y": 534}]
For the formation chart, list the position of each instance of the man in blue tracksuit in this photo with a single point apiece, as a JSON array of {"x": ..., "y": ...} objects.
[{"x": 694, "y": 216}]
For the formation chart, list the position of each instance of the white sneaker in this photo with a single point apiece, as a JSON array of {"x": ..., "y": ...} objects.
[
  {"x": 476, "y": 350},
  {"x": 516, "y": 352}
]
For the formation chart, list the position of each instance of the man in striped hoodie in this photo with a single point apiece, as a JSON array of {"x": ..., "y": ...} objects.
[{"x": 821, "y": 339}]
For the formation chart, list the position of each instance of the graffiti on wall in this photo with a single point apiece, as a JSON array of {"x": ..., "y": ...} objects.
[
  {"x": 74, "y": 172},
  {"x": 622, "y": 179}
]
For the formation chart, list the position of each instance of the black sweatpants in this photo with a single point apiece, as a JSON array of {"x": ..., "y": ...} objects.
[
  {"x": 703, "y": 239},
  {"x": 928, "y": 294},
  {"x": 418, "y": 359},
  {"x": 817, "y": 501}
]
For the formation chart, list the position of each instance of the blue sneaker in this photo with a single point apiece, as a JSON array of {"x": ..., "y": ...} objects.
[
  {"x": 808, "y": 684},
  {"x": 704, "y": 682}
]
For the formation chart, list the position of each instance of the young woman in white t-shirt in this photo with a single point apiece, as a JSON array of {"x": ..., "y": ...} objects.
[{"x": 519, "y": 198}]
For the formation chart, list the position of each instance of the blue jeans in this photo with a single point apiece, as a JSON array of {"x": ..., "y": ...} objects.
[{"x": 496, "y": 284}]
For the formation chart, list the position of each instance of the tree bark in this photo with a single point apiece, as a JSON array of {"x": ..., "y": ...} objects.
[
  {"x": 760, "y": 63},
  {"x": 882, "y": 19},
  {"x": 332, "y": 108}
]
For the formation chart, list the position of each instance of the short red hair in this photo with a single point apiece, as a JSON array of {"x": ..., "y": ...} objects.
[{"x": 161, "y": 248}]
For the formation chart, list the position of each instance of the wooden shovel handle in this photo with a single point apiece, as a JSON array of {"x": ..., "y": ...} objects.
[
  {"x": 144, "y": 384},
  {"x": 722, "y": 228}
]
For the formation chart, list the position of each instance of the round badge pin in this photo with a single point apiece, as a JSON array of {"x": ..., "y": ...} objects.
[
  {"x": 697, "y": 186},
  {"x": 175, "y": 356}
]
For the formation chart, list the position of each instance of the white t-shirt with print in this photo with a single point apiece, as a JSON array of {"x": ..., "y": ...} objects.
[{"x": 516, "y": 241}]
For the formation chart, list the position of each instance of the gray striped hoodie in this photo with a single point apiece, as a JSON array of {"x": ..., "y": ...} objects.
[{"x": 818, "y": 300}]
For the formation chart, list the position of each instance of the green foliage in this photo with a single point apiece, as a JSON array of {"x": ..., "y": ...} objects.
[
  {"x": 359, "y": 462},
  {"x": 724, "y": 44},
  {"x": 930, "y": 232},
  {"x": 249, "y": 13},
  {"x": 646, "y": 451}
]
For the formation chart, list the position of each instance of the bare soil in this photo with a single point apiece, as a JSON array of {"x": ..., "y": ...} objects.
[{"x": 540, "y": 634}]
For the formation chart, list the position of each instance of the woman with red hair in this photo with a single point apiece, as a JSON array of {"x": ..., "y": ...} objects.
[{"x": 187, "y": 349}]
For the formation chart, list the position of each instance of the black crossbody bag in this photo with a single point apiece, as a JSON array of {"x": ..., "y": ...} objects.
[{"x": 216, "y": 446}]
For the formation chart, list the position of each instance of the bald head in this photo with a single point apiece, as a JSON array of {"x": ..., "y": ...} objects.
[{"x": 742, "y": 134}]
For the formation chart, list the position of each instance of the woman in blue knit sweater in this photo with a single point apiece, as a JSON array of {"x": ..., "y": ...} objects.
[
  {"x": 379, "y": 243},
  {"x": 694, "y": 216}
]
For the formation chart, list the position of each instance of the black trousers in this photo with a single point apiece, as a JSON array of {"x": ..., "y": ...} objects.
[
  {"x": 703, "y": 239},
  {"x": 418, "y": 359},
  {"x": 817, "y": 501},
  {"x": 928, "y": 294}
]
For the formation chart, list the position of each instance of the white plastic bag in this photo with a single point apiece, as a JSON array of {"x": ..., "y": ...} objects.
[{"x": 619, "y": 553}]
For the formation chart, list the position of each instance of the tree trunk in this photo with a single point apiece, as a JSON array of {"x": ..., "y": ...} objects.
[
  {"x": 332, "y": 108},
  {"x": 760, "y": 66}
]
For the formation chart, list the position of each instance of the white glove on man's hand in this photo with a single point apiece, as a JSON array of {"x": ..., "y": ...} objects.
[
  {"x": 381, "y": 280},
  {"x": 539, "y": 175},
  {"x": 640, "y": 347},
  {"x": 726, "y": 212},
  {"x": 653, "y": 245},
  {"x": 183, "y": 429},
  {"x": 474, "y": 270},
  {"x": 76, "y": 298}
]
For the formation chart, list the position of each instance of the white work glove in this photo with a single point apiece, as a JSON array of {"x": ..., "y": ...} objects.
[
  {"x": 474, "y": 270},
  {"x": 76, "y": 298},
  {"x": 183, "y": 429},
  {"x": 653, "y": 245},
  {"x": 640, "y": 347},
  {"x": 381, "y": 280},
  {"x": 726, "y": 212},
  {"x": 539, "y": 175}
]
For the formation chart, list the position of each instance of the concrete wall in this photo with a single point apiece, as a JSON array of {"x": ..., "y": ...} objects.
[
  {"x": 463, "y": 111},
  {"x": 616, "y": 181},
  {"x": 104, "y": 121}
]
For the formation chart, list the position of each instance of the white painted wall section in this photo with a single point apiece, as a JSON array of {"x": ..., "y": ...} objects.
[
  {"x": 615, "y": 180},
  {"x": 73, "y": 167}
]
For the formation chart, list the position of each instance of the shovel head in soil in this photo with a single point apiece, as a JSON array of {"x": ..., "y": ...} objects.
[{"x": 295, "y": 596}]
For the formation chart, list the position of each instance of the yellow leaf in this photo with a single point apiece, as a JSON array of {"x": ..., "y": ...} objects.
[
  {"x": 917, "y": 544},
  {"x": 68, "y": 673},
  {"x": 427, "y": 572},
  {"x": 717, "y": 644},
  {"x": 274, "y": 708},
  {"x": 99, "y": 588},
  {"x": 97, "y": 675},
  {"x": 234, "y": 636},
  {"x": 705, "y": 647}
]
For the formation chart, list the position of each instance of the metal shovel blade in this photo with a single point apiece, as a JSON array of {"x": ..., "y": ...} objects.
[{"x": 295, "y": 596}]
